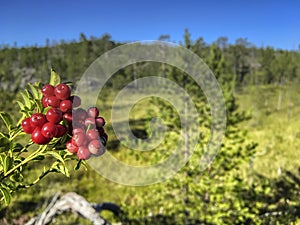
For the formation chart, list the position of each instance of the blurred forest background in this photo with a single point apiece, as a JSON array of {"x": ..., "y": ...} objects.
[{"x": 255, "y": 178}]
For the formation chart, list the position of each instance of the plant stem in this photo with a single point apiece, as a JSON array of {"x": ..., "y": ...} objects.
[
  {"x": 43, "y": 174},
  {"x": 26, "y": 160}
]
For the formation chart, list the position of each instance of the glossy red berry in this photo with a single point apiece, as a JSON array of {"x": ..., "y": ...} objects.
[
  {"x": 76, "y": 101},
  {"x": 45, "y": 102},
  {"x": 65, "y": 105},
  {"x": 93, "y": 112},
  {"x": 49, "y": 130},
  {"x": 47, "y": 90},
  {"x": 96, "y": 147},
  {"x": 71, "y": 146},
  {"x": 68, "y": 117},
  {"x": 53, "y": 101},
  {"x": 61, "y": 130},
  {"x": 90, "y": 121},
  {"x": 101, "y": 131},
  {"x": 77, "y": 130},
  {"x": 37, "y": 120},
  {"x": 62, "y": 91},
  {"x": 54, "y": 115},
  {"x": 38, "y": 138},
  {"x": 92, "y": 134},
  {"x": 83, "y": 153},
  {"x": 79, "y": 139},
  {"x": 78, "y": 124},
  {"x": 26, "y": 126},
  {"x": 100, "y": 122},
  {"x": 79, "y": 114}
]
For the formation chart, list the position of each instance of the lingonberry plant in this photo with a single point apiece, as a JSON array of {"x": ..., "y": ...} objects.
[{"x": 53, "y": 126}]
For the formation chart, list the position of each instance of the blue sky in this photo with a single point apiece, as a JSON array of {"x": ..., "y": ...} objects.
[{"x": 264, "y": 23}]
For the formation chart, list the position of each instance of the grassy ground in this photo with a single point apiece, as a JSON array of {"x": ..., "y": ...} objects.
[{"x": 274, "y": 125}]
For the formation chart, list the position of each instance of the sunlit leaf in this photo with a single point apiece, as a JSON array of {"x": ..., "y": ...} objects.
[
  {"x": 6, "y": 194},
  {"x": 8, "y": 121},
  {"x": 55, "y": 155},
  {"x": 35, "y": 91},
  {"x": 7, "y": 164},
  {"x": 54, "y": 78},
  {"x": 26, "y": 100},
  {"x": 21, "y": 105}
]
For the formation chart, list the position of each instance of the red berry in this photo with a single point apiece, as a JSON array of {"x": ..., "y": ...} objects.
[
  {"x": 79, "y": 114},
  {"x": 93, "y": 112},
  {"x": 78, "y": 130},
  {"x": 71, "y": 146},
  {"x": 61, "y": 130},
  {"x": 76, "y": 101},
  {"x": 78, "y": 124},
  {"x": 79, "y": 139},
  {"x": 100, "y": 122},
  {"x": 65, "y": 105},
  {"x": 83, "y": 153},
  {"x": 49, "y": 130},
  {"x": 47, "y": 90},
  {"x": 90, "y": 120},
  {"x": 62, "y": 91},
  {"x": 45, "y": 102},
  {"x": 27, "y": 128},
  {"x": 92, "y": 134},
  {"x": 68, "y": 117},
  {"x": 54, "y": 115},
  {"x": 37, "y": 120},
  {"x": 105, "y": 136},
  {"x": 53, "y": 101},
  {"x": 38, "y": 138},
  {"x": 101, "y": 130},
  {"x": 96, "y": 147}
]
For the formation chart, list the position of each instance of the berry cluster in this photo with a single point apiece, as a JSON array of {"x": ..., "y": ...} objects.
[
  {"x": 89, "y": 137},
  {"x": 45, "y": 127},
  {"x": 86, "y": 135}
]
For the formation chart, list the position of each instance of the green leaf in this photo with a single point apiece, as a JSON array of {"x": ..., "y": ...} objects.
[
  {"x": 60, "y": 168},
  {"x": 63, "y": 169},
  {"x": 6, "y": 119},
  {"x": 1, "y": 162},
  {"x": 4, "y": 141},
  {"x": 54, "y": 78},
  {"x": 21, "y": 105},
  {"x": 17, "y": 177},
  {"x": 35, "y": 91},
  {"x": 8, "y": 164},
  {"x": 4, "y": 144},
  {"x": 6, "y": 194},
  {"x": 56, "y": 155},
  {"x": 39, "y": 105},
  {"x": 26, "y": 100},
  {"x": 29, "y": 94},
  {"x": 2, "y": 134}
]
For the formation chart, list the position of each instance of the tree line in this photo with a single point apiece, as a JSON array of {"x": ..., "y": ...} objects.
[{"x": 249, "y": 64}]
